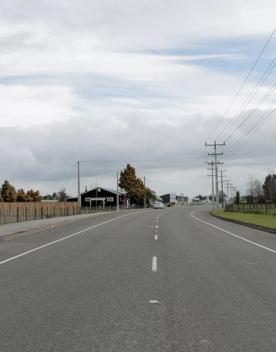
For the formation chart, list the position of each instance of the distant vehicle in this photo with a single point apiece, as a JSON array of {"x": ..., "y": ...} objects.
[
  {"x": 158, "y": 205},
  {"x": 206, "y": 201},
  {"x": 172, "y": 204},
  {"x": 196, "y": 200}
]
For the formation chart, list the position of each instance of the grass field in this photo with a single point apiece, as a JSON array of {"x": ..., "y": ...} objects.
[{"x": 268, "y": 221}]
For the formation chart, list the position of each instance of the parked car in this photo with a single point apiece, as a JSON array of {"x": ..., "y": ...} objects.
[{"x": 158, "y": 205}]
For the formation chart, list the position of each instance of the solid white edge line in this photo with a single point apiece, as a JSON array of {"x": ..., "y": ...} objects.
[
  {"x": 60, "y": 239},
  {"x": 230, "y": 233},
  {"x": 154, "y": 263}
]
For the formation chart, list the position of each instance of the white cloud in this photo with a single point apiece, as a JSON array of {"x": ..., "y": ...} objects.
[
  {"x": 129, "y": 23},
  {"x": 99, "y": 77},
  {"x": 28, "y": 105},
  {"x": 47, "y": 156}
]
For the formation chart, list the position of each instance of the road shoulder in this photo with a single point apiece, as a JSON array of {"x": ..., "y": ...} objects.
[{"x": 14, "y": 230}]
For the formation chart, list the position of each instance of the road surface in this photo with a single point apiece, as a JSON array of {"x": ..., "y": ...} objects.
[{"x": 153, "y": 280}]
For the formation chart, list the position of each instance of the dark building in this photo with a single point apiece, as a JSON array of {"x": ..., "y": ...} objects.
[
  {"x": 169, "y": 198},
  {"x": 101, "y": 197},
  {"x": 181, "y": 199}
]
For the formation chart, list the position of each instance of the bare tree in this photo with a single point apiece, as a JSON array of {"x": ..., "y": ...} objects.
[
  {"x": 62, "y": 195},
  {"x": 254, "y": 192}
]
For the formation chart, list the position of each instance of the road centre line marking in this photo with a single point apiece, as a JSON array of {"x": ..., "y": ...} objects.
[
  {"x": 61, "y": 239},
  {"x": 154, "y": 264},
  {"x": 231, "y": 234},
  {"x": 154, "y": 301},
  {"x": 156, "y": 237},
  {"x": 156, "y": 226}
]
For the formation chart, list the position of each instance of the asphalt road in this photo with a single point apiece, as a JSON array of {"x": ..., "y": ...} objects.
[{"x": 155, "y": 280}]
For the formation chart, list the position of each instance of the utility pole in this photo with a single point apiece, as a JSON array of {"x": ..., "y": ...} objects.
[
  {"x": 145, "y": 196},
  {"x": 212, "y": 175},
  {"x": 221, "y": 180},
  {"x": 232, "y": 189},
  {"x": 117, "y": 201},
  {"x": 227, "y": 187},
  {"x": 79, "y": 193},
  {"x": 215, "y": 154}
]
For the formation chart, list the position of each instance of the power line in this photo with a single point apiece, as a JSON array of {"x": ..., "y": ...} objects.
[
  {"x": 133, "y": 160},
  {"x": 244, "y": 81},
  {"x": 249, "y": 98},
  {"x": 268, "y": 93},
  {"x": 259, "y": 123},
  {"x": 252, "y": 132},
  {"x": 260, "y": 148}
]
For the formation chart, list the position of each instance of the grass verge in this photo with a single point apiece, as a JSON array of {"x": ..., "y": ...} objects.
[{"x": 258, "y": 220}]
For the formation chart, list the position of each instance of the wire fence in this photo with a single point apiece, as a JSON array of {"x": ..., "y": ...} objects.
[{"x": 269, "y": 209}]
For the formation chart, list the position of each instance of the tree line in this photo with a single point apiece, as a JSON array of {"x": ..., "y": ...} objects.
[
  {"x": 8, "y": 193},
  {"x": 260, "y": 192},
  {"x": 128, "y": 181}
]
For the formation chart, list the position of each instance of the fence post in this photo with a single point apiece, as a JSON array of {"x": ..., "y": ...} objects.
[{"x": 17, "y": 214}]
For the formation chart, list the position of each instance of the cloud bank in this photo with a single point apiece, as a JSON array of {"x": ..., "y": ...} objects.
[{"x": 127, "y": 80}]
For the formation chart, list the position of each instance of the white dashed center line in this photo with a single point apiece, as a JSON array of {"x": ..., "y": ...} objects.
[
  {"x": 156, "y": 237},
  {"x": 154, "y": 264}
]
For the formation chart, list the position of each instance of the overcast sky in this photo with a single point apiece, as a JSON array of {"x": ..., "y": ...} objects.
[{"x": 139, "y": 81}]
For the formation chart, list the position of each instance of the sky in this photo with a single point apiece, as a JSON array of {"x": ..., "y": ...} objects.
[{"x": 145, "y": 82}]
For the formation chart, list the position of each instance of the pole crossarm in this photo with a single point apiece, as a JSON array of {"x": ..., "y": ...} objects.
[
  {"x": 215, "y": 144},
  {"x": 215, "y": 154}
]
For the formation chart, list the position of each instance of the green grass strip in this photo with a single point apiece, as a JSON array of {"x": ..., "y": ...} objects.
[{"x": 263, "y": 220}]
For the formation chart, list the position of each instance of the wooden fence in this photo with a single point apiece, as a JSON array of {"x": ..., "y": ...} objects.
[
  {"x": 16, "y": 212},
  {"x": 269, "y": 209}
]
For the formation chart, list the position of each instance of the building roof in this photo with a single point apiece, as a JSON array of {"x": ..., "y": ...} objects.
[{"x": 106, "y": 189}]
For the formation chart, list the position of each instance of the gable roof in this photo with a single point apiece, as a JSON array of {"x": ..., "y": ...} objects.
[{"x": 107, "y": 189}]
